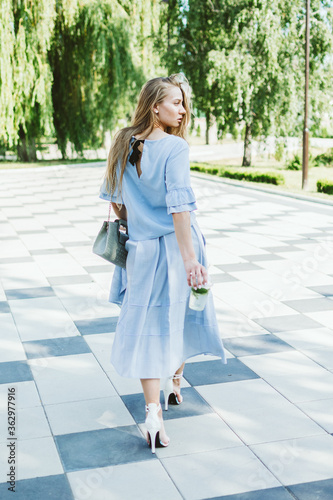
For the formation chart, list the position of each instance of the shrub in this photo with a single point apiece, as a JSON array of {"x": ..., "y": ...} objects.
[
  {"x": 295, "y": 163},
  {"x": 325, "y": 186},
  {"x": 244, "y": 174},
  {"x": 325, "y": 159}
]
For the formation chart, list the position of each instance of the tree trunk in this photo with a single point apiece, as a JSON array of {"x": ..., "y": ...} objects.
[
  {"x": 26, "y": 148},
  {"x": 207, "y": 125},
  {"x": 247, "y": 146}
]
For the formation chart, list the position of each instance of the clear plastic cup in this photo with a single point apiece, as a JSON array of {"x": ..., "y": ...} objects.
[{"x": 199, "y": 296}]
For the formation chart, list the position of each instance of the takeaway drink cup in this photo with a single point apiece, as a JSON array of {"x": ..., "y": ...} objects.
[{"x": 198, "y": 297}]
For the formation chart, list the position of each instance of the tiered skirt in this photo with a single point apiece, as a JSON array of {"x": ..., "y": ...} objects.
[{"x": 156, "y": 330}]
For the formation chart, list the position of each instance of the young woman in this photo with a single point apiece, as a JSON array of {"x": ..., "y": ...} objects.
[{"x": 148, "y": 182}]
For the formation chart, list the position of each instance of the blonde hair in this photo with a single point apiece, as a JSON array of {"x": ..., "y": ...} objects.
[{"x": 153, "y": 92}]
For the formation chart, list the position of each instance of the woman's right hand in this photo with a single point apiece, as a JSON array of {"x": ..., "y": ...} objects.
[{"x": 196, "y": 273}]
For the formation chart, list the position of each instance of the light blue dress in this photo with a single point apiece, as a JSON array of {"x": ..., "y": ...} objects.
[{"x": 156, "y": 330}]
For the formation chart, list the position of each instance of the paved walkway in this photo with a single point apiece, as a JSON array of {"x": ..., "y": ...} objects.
[{"x": 258, "y": 428}]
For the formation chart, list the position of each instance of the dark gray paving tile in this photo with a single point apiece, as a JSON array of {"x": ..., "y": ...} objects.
[
  {"x": 29, "y": 293},
  {"x": 56, "y": 347},
  {"x": 255, "y": 344},
  {"x": 310, "y": 305},
  {"x": 247, "y": 224},
  {"x": 70, "y": 280},
  {"x": 299, "y": 241},
  {"x": 40, "y": 488},
  {"x": 215, "y": 372},
  {"x": 212, "y": 236},
  {"x": 33, "y": 231},
  {"x": 265, "y": 256},
  {"x": 58, "y": 226},
  {"x": 103, "y": 447},
  {"x": 15, "y": 260},
  {"x": 326, "y": 228},
  {"x": 316, "y": 490},
  {"x": 313, "y": 235},
  {"x": 99, "y": 269},
  {"x": 285, "y": 323},
  {"x": 15, "y": 371},
  {"x": 242, "y": 266},
  {"x": 4, "y": 307},
  {"x": 77, "y": 243},
  {"x": 282, "y": 248},
  {"x": 193, "y": 404},
  {"x": 326, "y": 290},
  {"x": 48, "y": 251},
  {"x": 222, "y": 278},
  {"x": 99, "y": 325},
  {"x": 279, "y": 493},
  {"x": 19, "y": 217},
  {"x": 7, "y": 238}
]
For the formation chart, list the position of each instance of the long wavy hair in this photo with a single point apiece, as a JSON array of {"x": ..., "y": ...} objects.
[{"x": 144, "y": 119}]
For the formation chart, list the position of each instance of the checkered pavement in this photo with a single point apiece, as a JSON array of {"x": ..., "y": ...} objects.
[{"x": 258, "y": 428}]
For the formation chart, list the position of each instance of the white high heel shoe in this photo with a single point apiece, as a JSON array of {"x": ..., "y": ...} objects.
[
  {"x": 169, "y": 395},
  {"x": 153, "y": 426}
]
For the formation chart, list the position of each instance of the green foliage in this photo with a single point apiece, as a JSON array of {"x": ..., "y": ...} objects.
[
  {"x": 94, "y": 76},
  {"x": 241, "y": 174},
  {"x": 25, "y": 86},
  {"x": 295, "y": 163},
  {"x": 325, "y": 159},
  {"x": 325, "y": 186},
  {"x": 279, "y": 150}
]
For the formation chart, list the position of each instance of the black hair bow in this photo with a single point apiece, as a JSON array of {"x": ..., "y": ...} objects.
[{"x": 136, "y": 153}]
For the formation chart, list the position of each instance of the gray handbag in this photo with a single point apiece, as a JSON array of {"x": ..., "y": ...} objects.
[{"x": 110, "y": 241}]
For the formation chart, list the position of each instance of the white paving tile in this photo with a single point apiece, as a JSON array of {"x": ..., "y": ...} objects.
[
  {"x": 218, "y": 472},
  {"x": 268, "y": 417},
  {"x": 26, "y": 395},
  {"x": 125, "y": 482},
  {"x": 36, "y": 457},
  {"x": 249, "y": 301},
  {"x": 30, "y": 423},
  {"x": 59, "y": 265},
  {"x": 273, "y": 285},
  {"x": 42, "y": 318},
  {"x": 196, "y": 434},
  {"x": 11, "y": 345},
  {"x": 298, "y": 460},
  {"x": 86, "y": 415},
  {"x": 297, "y": 377},
  {"x": 233, "y": 323},
  {"x": 325, "y": 318},
  {"x": 70, "y": 378},
  {"x": 320, "y": 411},
  {"x": 312, "y": 338},
  {"x": 22, "y": 275}
]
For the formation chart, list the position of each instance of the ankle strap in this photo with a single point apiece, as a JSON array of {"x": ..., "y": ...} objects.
[
  {"x": 178, "y": 375},
  {"x": 155, "y": 408}
]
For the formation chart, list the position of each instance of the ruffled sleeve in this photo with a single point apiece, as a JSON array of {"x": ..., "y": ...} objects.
[
  {"x": 179, "y": 195},
  {"x": 105, "y": 195}
]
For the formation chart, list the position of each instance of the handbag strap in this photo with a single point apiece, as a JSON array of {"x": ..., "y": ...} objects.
[{"x": 109, "y": 216}]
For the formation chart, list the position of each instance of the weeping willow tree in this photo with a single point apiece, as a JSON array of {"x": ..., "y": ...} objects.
[
  {"x": 100, "y": 56},
  {"x": 25, "y": 79},
  {"x": 72, "y": 68}
]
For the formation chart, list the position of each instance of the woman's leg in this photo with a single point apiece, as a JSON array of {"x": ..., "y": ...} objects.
[
  {"x": 177, "y": 381},
  {"x": 151, "y": 390}
]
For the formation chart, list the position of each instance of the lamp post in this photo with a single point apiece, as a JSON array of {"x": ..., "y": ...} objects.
[{"x": 305, "y": 165}]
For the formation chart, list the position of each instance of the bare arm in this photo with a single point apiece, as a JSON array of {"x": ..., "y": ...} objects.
[
  {"x": 122, "y": 213},
  {"x": 182, "y": 224}
]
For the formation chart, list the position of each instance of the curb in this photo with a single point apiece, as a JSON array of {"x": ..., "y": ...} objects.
[{"x": 262, "y": 189}]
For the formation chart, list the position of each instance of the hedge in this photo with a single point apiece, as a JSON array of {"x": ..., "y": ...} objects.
[
  {"x": 325, "y": 186},
  {"x": 244, "y": 174}
]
